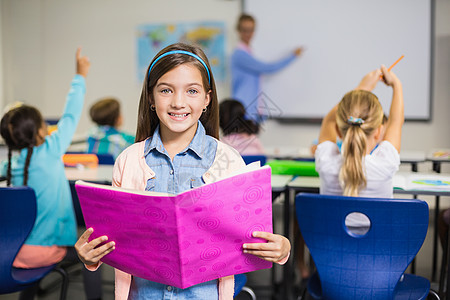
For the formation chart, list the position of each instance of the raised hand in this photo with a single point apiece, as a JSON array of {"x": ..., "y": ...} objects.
[
  {"x": 389, "y": 77},
  {"x": 370, "y": 80},
  {"x": 276, "y": 249},
  {"x": 83, "y": 63},
  {"x": 87, "y": 252}
]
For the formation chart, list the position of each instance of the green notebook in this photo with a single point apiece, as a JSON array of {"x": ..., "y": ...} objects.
[{"x": 292, "y": 167}]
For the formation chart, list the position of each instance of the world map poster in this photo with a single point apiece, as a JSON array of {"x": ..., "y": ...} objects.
[{"x": 210, "y": 36}]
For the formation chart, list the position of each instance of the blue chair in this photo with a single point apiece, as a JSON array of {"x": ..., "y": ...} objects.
[
  {"x": 239, "y": 285},
  {"x": 17, "y": 215},
  {"x": 105, "y": 159},
  {"x": 252, "y": 158},
  {"x": 363, "y": 266}
]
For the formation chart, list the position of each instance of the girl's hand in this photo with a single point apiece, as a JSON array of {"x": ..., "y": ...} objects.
[
  {"x": 83, "y": 64},
  {"x": 389, "y": 77},
  {"x": 277, "y": 248},
  {"x": 86, "y": 250},
  {"x": 369, "y": 81}
]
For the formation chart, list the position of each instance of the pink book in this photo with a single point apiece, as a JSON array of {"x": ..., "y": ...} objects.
[{"x": 185, "y": 239}]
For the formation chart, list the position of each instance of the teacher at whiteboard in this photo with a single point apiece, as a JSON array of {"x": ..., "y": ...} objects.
[{"x": 246, "y": 69}]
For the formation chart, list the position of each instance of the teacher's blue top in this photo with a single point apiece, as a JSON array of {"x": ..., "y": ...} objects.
[
  {"x": 246, "y": 71},
  {"x": 55, "y": 221}
]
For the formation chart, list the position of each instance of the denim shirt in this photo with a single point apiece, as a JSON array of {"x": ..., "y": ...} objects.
[{"x": 183, "y": 173}]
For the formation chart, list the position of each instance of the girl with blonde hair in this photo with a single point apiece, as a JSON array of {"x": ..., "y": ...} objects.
[{"x": 365, "y": 166}]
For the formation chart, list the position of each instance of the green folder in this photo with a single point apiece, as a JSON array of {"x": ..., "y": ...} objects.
[{"x": 292, "y": 167}]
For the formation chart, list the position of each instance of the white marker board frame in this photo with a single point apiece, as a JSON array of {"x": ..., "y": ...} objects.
[{"x": 344, "y": 40}]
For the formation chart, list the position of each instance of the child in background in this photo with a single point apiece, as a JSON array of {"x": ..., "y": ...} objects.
[
  {"x": 177, "y": 149},
  {"x": 239, "y": 133},
  {"x": 39, "y": 166},
  {"x": 339, "y": 141},
  {"x": 105, "y": 138},
  {"x": 364, "y": 167}
]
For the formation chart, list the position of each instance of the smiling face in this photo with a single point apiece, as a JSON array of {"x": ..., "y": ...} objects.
[{"x": 179, "y": 98}]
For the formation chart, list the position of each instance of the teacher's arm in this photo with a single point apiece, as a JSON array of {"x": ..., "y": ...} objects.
[{"x": 251, "y": 64}]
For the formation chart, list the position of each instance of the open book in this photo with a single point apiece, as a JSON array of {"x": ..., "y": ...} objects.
[
  {"x": 183, "y": 239},
  {"x": 421, "y": 182}
]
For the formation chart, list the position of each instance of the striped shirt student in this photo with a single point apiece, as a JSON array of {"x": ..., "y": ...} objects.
[{"x": 106, "y": 138}]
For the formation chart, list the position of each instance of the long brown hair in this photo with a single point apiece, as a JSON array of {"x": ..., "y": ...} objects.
[
  {"x": 232, "y": 118},
  {"x": 364, "y": 105},
  {"x": 147, "y": 119},
  {"x": 19, "y": 128}
]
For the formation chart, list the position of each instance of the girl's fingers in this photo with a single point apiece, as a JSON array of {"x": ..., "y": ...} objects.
[
  {"x": 78, "y": 54},
  {"x": 261, "y": 246},
  {"x": 95, "y": 242},
  {"x": 264, "y": 235},
  {"x": 98, "y": 253},
  {"x": 84, "y": 238},
  {"x": 264, "y": 255}
]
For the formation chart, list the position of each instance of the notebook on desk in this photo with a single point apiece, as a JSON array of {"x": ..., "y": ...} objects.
[
  {"x": 421, "y": 182},
  {"x": 183, "y": 239}
]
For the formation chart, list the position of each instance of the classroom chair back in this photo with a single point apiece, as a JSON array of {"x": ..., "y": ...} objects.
[
  {"x": 248, "y": 159},
  {"x": 17, "y": 216},
  {"x": 363, "y": 266},
  {"x": 239, "y": 286},
  {"x": 18, "y": 210}
]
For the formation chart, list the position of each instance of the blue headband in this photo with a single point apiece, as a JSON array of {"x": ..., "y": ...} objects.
[{"x": 181, "y": 52}]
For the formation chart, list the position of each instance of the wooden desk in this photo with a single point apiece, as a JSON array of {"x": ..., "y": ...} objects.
[{"x": 102, "y": 174}]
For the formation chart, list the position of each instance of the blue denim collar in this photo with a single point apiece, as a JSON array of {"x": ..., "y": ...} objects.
[{"x": 196, "y": 145}]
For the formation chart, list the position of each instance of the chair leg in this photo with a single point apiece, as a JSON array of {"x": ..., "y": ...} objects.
[
  {"x": 65, "y": 282},
  {"x": 443, "y": 267},
  {"x": 447, "y": 269},
  {"x": 30, "y": 292},
  {"x": 249, "y": 291},
  {"x": 434, "y": 294}
]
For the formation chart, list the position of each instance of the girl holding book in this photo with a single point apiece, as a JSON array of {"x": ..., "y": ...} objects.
[{"x": 177, "y": 149}]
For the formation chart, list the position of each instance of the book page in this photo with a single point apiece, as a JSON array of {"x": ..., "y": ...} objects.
[
  {"x": 399, "y": 181},
  {"x": 113, "y": 188}
]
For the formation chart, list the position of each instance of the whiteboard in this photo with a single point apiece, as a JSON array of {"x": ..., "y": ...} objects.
[{"x": 343, "y": 40}]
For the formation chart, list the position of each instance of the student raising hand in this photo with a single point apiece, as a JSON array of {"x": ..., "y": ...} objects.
[
  {"x": 87, "y": 251},
  {"x": 276, "y": 249},
  {"x": 83, "y": 63},
  {"x": 389, "y": 77},
  {"x": 369, "y": 81}
]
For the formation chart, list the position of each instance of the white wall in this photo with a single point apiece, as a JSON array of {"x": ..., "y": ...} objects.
[
  {"x": 39, "y": 39},
  {"x": 416, "y": 135}
]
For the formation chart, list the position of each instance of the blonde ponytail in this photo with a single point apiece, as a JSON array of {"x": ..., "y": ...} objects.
[
  {"x": 352, "y": 175},
  {"x": 358, "y": 115}
]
